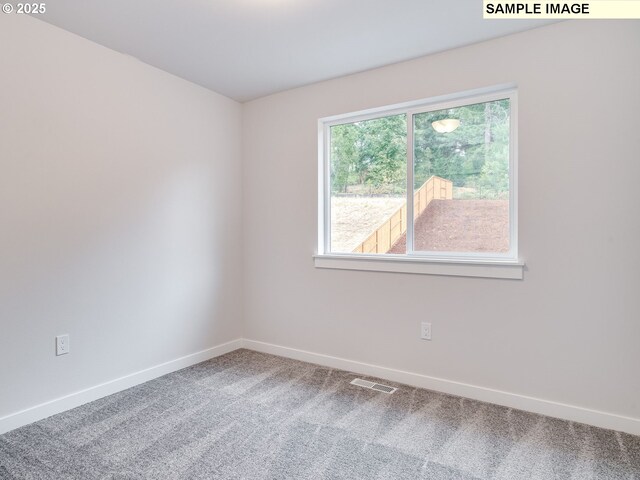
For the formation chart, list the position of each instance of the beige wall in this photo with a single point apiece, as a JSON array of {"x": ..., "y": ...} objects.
[
  {"x": 119, "y": 214},
  {"x": 570, "y": 332}
]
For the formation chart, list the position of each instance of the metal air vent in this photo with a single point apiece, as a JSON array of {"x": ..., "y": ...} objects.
[{"x": 373, "y": 386}]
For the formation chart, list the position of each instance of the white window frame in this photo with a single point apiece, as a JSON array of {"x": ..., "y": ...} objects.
[{"x": 471, "y": 264}]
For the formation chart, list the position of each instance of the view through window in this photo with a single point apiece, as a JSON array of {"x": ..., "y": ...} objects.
[{"x": 459, "y": 181}]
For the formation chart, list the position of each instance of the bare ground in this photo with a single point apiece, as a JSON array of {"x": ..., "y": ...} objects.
[
  {"x": 461, "y": 226},
  {"x": 353, "y": 219}
]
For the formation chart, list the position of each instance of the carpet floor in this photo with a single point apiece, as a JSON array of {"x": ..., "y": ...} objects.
[{"x": 247, "y": 415}]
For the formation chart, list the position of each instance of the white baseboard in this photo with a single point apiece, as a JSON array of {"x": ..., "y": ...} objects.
[
  {"x": 512, "y": 400},
  {"x": 521, "y": 402},
  {"x": 44, "y": 410}
]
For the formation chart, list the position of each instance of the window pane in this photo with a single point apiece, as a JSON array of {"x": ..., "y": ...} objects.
[
  {"x": 461, "y": 179},
  {"x": 368, "y": 165}
]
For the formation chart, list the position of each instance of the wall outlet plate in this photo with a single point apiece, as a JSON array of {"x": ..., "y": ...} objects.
[
  {"x": 425, "y": 331},
  {"x": 62, "y": 344}
]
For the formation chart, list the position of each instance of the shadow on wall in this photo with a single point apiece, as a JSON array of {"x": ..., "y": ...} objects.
[{"x": 114, "y": 244}]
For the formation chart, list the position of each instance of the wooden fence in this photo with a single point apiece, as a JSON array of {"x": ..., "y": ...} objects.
[{"x": 393, "y": 228}]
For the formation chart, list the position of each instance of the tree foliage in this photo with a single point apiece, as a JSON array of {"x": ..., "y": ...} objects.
[
  {"x": 474, "y": 156},
  {"x": 370, "y": 156}
]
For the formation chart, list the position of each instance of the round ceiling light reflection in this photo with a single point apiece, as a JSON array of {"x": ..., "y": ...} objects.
[{"x": 446, "y": 125}]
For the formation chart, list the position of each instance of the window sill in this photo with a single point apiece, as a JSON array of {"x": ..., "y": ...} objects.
[{"x": 458, "y": 268}]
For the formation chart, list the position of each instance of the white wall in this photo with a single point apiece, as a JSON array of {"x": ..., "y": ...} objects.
[
  {"x": 120, "y": 221},
  {"x": 119, "y": 214},
  {"x": 570, "y": 332}
]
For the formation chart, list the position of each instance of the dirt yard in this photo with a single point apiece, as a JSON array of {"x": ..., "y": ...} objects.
[
  {"x": 461, "y": 226},
  {"x": 353, "y": 219}
]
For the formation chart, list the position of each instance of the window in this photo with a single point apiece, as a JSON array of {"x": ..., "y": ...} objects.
[{"x": 426, "y": 187}]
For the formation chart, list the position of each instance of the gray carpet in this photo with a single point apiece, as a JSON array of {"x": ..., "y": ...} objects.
[{"x": 248, "y": 415}]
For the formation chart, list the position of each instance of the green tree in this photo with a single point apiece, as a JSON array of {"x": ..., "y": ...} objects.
[
  {"x": 369, "y": 153},
  {"x": 461, "y": 155},
  {"x": 344, "y": 156}
]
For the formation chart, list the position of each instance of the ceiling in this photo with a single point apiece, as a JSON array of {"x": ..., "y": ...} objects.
[{"x": 246, "y": 49}]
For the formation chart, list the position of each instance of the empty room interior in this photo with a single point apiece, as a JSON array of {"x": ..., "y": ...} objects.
[{"x": 304, "y": 239}]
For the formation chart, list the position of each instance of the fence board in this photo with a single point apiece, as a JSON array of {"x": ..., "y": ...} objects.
[
  {"x": 370, "y": 244},
  {"x": 386, "y": 235}
]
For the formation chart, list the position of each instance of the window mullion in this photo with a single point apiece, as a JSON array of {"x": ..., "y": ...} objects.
[{"x": 410, "y": 154}]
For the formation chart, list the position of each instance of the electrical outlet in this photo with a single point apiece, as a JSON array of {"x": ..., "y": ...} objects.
[
  {"x": 425, "y": 332},
  {"x": 62, "y": 344}
]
